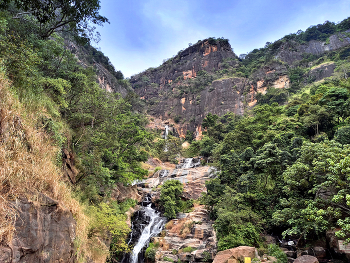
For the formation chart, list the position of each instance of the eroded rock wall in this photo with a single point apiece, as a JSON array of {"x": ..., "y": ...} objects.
[{"x": 44, "y": 233}]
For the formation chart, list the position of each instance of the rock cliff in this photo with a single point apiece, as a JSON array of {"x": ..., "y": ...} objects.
[
  {"x": 207, "y": 77},
  {"x": 44, "y": 233}
]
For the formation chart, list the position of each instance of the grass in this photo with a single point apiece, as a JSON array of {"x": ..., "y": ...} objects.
[{"x": 28, "y": 168}]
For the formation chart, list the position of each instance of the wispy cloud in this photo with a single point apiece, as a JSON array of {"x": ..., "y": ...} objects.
[{"x": 144, "y": 32}]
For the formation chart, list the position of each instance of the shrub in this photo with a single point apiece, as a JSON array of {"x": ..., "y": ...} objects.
[
  {"x": 151, "y": 251},
  {"x": 188, "y": 249},
  {"x": 168, "y": 259},
  {"x": 276, "y": 252}
]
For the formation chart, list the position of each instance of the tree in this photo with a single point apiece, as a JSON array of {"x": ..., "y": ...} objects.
[
  {"x": 58, "y": 15},
  {"x": 170, "y": 197},
  {"x": 317, "y": 189}
]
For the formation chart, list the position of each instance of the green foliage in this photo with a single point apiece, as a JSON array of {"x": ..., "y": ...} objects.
[
  {"x": 170, "y": 198},
  {"x": 106, "y": 221},
  {"x": 276, "y": 252},
  {"x": 342, "y": 135},
  {"x": 188, "y": 249},
  {"x": 272, "y": 95},
  {"x": 50, "y": 16},
  {"x": 316, "y": 186},
  {"x": 236, "y": 223},
  {"x": 151, "y": 251},
  {"x": 168, "y": 259},
  {"x": 168, "y": 150}
]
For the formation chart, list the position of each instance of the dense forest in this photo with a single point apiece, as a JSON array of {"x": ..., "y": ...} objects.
[
  {"x": 61, "y": 109},
  {"x": 283, "y": 167},
  {"x": 285, "y": 164}
]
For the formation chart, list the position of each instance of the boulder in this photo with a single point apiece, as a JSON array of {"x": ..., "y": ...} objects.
[
  {"x": 318, "y": 252},
  {"x": 306, "y": 259},
  {"x": 235, "y": 255}
]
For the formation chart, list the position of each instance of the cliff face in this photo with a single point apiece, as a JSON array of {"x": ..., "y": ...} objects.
[
  {"x": 292, "y": 51},
  {"x": 182, "y": 87},
  {"x": 105, "y": 78},
  {"x": 205, "y": 78},
  {"x": 44, "y": 233}
]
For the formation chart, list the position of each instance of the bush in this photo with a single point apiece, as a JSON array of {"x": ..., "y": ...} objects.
[
  {"x": 276, "y": 252},
  {"x": 188, "y": 249},
  {"x": 151, "y": 251},
  {"x": 168, "y": 259}
]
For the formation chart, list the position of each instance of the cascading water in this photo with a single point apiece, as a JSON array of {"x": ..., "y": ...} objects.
[
  {"x": 147, "y": 224},
  {"x": 188, "y": 163},
  {"x": 166, "y": 132}
]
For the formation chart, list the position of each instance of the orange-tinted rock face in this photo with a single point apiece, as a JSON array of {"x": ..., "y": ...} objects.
[
  {"x": 175, "y": 75},
  {"x": 282, "y": 82},
  {"x": 189, "y": 74},
  {"x": 198, "y": 135},
  {"x": 209, "y": 48}
]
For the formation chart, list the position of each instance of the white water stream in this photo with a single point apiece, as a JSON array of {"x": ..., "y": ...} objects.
[
  {"x": 187, "y": 163},
  {"x": 153, "y": 228}
]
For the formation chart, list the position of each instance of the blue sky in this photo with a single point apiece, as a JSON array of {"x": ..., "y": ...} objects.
[{"x": 142, "y": 33}]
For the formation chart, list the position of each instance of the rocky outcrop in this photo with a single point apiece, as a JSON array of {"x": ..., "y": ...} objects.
[
  {"x": 190, "y": 230},
  {"x": 185, "y": 88},
  {"x": 321, "y": 71},
  {"x": 44, "y": 233},
  {"x": 105, "y": 78},
  {"x": 291, "y": 52},
  {"x": 68, "y": 166},
  {"x": 121, "y": 193}
]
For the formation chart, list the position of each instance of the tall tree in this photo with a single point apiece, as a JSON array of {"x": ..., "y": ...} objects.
[{"x": 56, "y": 15}]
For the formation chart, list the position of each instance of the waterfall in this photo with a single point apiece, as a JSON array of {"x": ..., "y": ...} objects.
[
  {"x": 147, "y": 224},
  {"x": 188, "y": 163},
  {"x": 166, "y": 132}
]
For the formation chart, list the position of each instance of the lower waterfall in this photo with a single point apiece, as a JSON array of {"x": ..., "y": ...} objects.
[{"x": 146, "y": 224}]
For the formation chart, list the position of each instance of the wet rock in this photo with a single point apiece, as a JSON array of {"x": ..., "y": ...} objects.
[
  {"x": 291, "y": 254},
  {"x": 306, "y": 259},
  {"x": 318, "y": 252}
]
